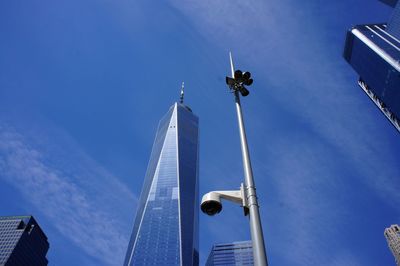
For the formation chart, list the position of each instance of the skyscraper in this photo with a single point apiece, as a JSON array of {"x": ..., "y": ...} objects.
[
  {"x": 22, "y": 242},
  {"x": 165, "y": 231},
  {"x": 392, "y": 235},
  {"x": 373, "y": 51},
  {"x": 231, "y": 254}
]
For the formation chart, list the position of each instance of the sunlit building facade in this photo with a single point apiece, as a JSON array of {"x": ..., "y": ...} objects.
[
  {"x": 373, "y": 51},
  {"x": 231, "y": 254},
  {"x": 392, "y": 235},
  {"x": 165, "y": 230},
  {"x": 22, "y": 242}
]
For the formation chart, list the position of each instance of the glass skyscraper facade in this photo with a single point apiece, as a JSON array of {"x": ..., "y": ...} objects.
[
  {"x": 22, "y": 242},
  {"x": 373, "y": 51},
  {"x": 165, "y": 230},
  {"x": 231, "y": 254}
]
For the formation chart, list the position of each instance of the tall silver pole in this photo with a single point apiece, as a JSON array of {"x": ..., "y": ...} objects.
[{"x": 257, "y": 236}]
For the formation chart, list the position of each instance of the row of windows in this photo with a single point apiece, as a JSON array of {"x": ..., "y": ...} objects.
[
  {"x": 9, "y": 238},
  {"x": 10, "y": 232},
  {"x": 12, "y": 227},
  {"x": 9, "y": 222},
  {"x": 7, "y": 245}
]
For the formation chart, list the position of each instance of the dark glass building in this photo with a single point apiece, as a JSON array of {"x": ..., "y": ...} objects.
[
  {"x": 373, "y": 51},
  {"x": 165, "y": 230},
  {"x": 231, "y": 254},
  {"x": 22, "y": 242}
]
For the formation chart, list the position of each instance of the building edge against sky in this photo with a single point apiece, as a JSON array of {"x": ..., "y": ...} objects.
[
  {"x": 392, "y": 235},
  {"x": 165, "y": 230},
  {"x": 373, "y": 51},
  {"x": 22, "y": 242}
]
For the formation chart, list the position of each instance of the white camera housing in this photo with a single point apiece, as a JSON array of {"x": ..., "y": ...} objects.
[{"x": 211, "y": 202}]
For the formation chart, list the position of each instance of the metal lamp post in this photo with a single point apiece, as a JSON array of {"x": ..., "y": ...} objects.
[
  {"x": 257, "y": 237},
  {"x": 246, "y": 196}
]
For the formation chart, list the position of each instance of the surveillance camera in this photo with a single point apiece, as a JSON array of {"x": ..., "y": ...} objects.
[{"x": 211, "y": 203}]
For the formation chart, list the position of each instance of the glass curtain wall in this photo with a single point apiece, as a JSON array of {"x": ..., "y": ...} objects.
[{"x": 165, "y": 228}]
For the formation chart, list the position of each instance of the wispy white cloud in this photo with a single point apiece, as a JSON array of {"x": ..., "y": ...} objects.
[
  {"x": 86, "y": 203},
  {"x": 307, "y": 78},
  {"x": 304, "y": 197},
  {"x": 344, "y": 259},
  {"x": 315, "y": 88}
]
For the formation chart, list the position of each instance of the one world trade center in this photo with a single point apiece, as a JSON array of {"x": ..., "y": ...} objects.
[{"x": 165, "y": 230}]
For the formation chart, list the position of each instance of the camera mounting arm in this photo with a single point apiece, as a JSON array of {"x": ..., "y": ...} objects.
[{"x": 211, "y": 202}]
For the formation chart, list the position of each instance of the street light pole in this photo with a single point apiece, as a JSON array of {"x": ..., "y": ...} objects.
[{"x": 257, "y": 237}]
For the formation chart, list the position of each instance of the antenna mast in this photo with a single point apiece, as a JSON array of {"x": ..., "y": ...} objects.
[{"x": 182, "y": 93}]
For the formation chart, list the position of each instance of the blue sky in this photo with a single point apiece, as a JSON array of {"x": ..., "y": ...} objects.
[{"x": 84, "y": 83}]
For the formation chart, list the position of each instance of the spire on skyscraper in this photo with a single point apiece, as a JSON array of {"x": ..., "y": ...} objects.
[{"x": 182, "y": 92}]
